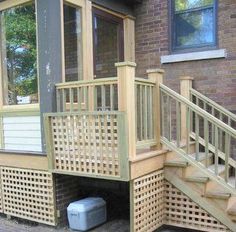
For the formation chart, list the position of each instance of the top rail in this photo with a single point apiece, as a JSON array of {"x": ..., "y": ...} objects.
[
  {"x": 81, "y": 83},
  {"x": 200, "y": 111},
  {"x": 215, "y": 106}
]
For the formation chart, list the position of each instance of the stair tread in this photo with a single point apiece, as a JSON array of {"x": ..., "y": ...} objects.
[
  {"x": 176, "y": 163},
  {"x": 201, "y": 156},
  {"x": 198, "y": 179},
  {"x": 221, "y": 168},
  {"x": 219, "y": 192}
]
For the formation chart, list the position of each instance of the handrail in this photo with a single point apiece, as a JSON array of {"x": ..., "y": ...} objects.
[
  {"x": 144, "y": 81},
  {"x": 213, "y": 104},
  {"x": 199, "y": 119},
  {"x": 87, "y": 82},
  {"x": 198, "y": 110}
]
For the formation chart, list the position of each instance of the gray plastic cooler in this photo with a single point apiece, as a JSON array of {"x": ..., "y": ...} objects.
[{"x": 86, "y": 213}]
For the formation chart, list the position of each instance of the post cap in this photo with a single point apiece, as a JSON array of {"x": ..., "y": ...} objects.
[
  {"x": 126, "y": 63},
  {"x": 156, "y": 70},
  {"x": 183, "y": 78}
]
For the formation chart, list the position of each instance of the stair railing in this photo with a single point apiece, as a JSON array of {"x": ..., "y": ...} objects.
[
  {"x": 172, "y": 106},
  {"x": 212, "y": 107}
]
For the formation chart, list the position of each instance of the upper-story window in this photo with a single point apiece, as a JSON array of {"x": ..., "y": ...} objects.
[
  {"x": 193, "y": 24},
  {"x": 19, "y": 55}
]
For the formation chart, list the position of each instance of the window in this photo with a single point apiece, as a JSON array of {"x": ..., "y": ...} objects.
[
  {"x": 108, "y": 43},
  {"x": 73, "y": 43},
  {"x": 193, "y": 24},
  {"x": 19, "y": 55}
]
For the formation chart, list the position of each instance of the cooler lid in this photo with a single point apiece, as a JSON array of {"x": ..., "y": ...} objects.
[{"x": 86, "y": 204}]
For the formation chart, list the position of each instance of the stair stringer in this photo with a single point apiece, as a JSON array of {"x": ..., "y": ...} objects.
[{"x": 203, "y": 202}]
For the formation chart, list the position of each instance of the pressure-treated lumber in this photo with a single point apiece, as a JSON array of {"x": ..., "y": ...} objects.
[{"x": 126, "y": 100}]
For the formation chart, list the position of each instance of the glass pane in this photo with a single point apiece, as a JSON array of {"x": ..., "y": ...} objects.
[
  {"x": 73, "y": 43},
  {"x": 195, "y": 28},
  {"x": 19, "y": 55},
  {"x": 189, "y": 4},
  {"x": 107, "y": 47}
]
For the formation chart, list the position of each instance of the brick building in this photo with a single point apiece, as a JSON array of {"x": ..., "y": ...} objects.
[{"x": 91, "y": 104}]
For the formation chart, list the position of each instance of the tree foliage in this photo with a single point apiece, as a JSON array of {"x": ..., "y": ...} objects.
[{"x": 20, "y": 35}]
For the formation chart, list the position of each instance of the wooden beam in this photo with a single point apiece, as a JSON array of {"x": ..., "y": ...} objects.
[{"x": 37, "y": 162}]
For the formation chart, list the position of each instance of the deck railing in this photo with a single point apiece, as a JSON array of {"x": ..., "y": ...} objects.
[
  {"x": 171, "y": 106},
  {"x": 88, "y": 143},
  {"x": 99, "y": 94},
  {"x": 145, "y": 113},
  {"x": 212, "y": 107}
]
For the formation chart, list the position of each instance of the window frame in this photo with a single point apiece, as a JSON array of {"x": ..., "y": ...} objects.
[
  {"x": 96, "y": 12},
  {"x": 192, "y": 48},
  {"x": 24, "y": 107}
]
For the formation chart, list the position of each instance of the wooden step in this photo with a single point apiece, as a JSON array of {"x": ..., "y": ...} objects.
[
  {"x": 197, "y": 176},
  {"x": 221, "y": 168},
  {"x": 176, "y": 163},
  {"x": 218, "y": 191},
  {"x": 201, "y": 156}
]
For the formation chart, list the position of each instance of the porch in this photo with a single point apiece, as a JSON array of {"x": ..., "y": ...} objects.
[{"x": 104, "y": 128}]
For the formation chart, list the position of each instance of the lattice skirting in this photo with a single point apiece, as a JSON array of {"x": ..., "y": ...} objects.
[
  {"x": 28, "y": 194},
  {"x": 147, "y": 202},
  {"x": 181, "y": 211},
  {"x": 155, "y": 202}
]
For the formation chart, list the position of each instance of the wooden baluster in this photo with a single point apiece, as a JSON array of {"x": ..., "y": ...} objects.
[
  {"x": 216, "y": 150},
  {"x": 227, "y": 154},
  {"x": 145, "y": 113},
  {"x": 79, "y": 98},
  {"x": 141, "y": 110},
  {"x": 206, "y": 138},
  {"x": 71, "y": 99},
  {"x": 103, "y": 97},
  {"x": 151, "y": 113},
  {"x": 212, "y": 128},
  {"x": 162, "y": 114},
  {"x": 168, "y": 118},
  {"x": 178, "y": 123},
  {"x": 197, "y": 136},
  {"x": 95, "y": 89},
  {"x": 64, "y": 100},
  {"x": 112, "y": 97},
  {"x": 188, "y": 123}
]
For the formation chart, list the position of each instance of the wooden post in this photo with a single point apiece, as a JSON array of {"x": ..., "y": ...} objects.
[
  {"x": 126, "y": 100},
  {"x": 129, "y": 38},
  {"x": 185, "y": 86},
  {"x": 157, "y": 76}
]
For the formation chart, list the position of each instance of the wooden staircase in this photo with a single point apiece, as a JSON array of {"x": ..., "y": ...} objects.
[{"x": 203, "y": 169}]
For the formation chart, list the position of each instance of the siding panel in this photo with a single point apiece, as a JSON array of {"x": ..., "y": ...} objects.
[{"x": 22, "y": 133}]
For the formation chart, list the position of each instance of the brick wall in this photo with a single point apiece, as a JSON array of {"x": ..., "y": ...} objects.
[
  {"x": 214, "y": 78},
  {"x": 72, "y": 188}
]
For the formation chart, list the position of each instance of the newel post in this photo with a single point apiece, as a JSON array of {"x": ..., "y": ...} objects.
[
  {"x": 186, "y": 83},
  {"x": 126, "y": 100},
  {"x": 157, "y": 75}
]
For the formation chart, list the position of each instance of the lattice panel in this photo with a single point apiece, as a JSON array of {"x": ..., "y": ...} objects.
[
  {"x": 183, "y": 212},
  {"x": 28, "y": 194},
  {"x": 148, "y": 202},
  {"x": 86, "y": 144}
]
